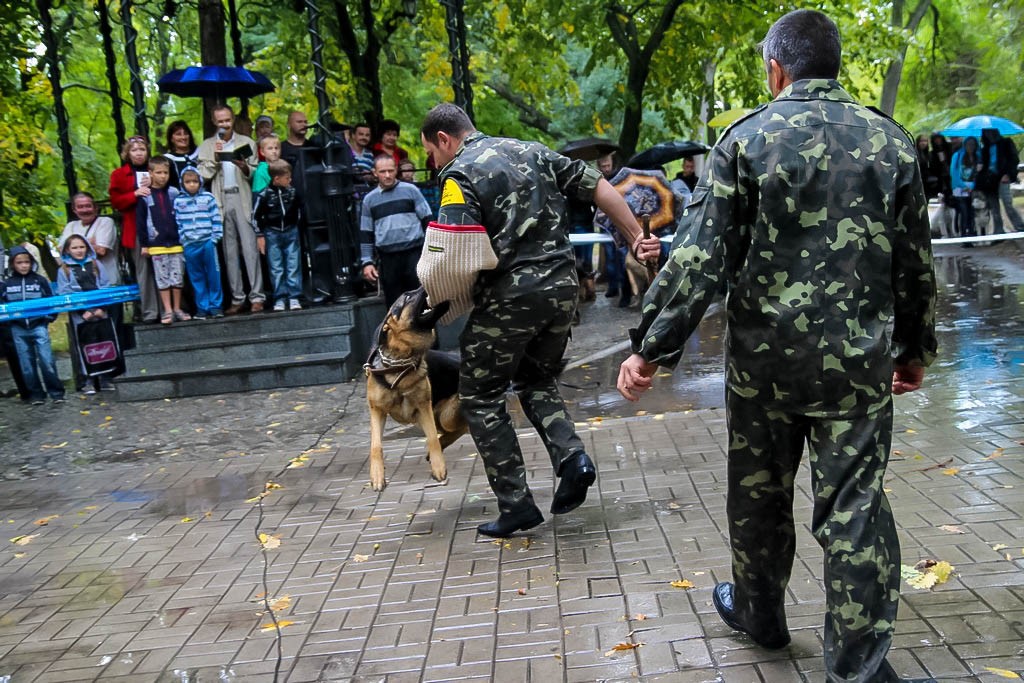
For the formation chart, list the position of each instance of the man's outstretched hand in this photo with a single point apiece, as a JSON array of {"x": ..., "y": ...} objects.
[
  {"x": 907, "y": 378},
  {"x": 635, "y": 377}
]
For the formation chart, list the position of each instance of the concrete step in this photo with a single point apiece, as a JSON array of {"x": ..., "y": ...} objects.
[
  {"x": 219, "y": 349},
  {"x": 239, "y": 375},
  {"x": 242, "y": 326}
]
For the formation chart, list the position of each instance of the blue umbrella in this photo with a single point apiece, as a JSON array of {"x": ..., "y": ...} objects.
[
  {"x": 215, "y": 81},
  {"x": 972, "y": 126}
]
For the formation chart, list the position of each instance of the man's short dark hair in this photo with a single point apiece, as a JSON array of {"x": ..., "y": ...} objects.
[
  {"x": 447, "y": 118},
  {"x": 805, "y": 43},
  {"x": 278, "y": 168},
  {"x": 362, "y": 124},
  {"x": 159, "y": 161}
]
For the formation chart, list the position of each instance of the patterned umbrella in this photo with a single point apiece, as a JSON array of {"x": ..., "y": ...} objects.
[{"x": 646, "y": 192}]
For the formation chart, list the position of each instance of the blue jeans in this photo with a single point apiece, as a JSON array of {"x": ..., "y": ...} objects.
[
  {"x": 33, "y": 347},
  {"x": 283, "y": 261},
  {"x": 614, "y": 265},
  {"x": 584, "y": 253},
  {"x": 204, "y": 273}
]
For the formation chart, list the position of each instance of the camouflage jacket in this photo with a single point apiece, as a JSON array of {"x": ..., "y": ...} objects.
[
  {"x": 812, "y": 215},
  {"x": 519, "y": 192}
]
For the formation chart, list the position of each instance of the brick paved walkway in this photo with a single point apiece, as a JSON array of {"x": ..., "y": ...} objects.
[{"x": 399, "y": 587}]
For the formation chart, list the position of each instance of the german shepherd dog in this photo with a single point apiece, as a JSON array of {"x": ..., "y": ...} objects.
[{"x": 411, "y": 383}]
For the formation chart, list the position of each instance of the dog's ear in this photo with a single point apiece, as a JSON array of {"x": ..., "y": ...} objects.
[{"x": 428, "y": 318}]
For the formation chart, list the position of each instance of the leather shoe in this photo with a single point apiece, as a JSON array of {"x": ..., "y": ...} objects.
[
  {"x": 771, "y": 638},
  {"x": 233, "y": 309},
  {"x": 256, "y": 307},
  {"x": 508, "y": 523},
  {"x": 577, "y": 475}
]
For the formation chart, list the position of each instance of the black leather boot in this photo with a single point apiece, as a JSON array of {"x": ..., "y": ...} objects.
[
  {"x": 772, "y": 634},
  {"x": 577, "y": 475},
  {"x": 521, "y": 519}
]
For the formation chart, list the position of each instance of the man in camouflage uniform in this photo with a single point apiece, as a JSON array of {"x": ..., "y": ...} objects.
[
  {"x": 813, "y": 213},
  {"x": 523, "y": 309}
]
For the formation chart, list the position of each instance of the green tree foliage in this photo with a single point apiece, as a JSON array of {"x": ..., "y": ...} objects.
[{"x": 542, "y": 69}]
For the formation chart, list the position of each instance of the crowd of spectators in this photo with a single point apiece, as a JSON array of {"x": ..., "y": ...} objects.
[{"x": 970, "y": 178}]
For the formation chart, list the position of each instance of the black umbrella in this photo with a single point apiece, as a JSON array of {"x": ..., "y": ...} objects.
[
  {"x": 588, "y": 149},
  {"x": 215, "y": 81},
  {"x": 664, "y": 152}
]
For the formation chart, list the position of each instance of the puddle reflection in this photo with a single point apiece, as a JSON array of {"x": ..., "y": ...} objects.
[{"x": 978, "y": 324}]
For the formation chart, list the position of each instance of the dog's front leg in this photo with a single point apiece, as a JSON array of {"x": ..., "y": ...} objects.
[
  {"x": 438, "y": 469},
  {"x": 377, "y": 418}
]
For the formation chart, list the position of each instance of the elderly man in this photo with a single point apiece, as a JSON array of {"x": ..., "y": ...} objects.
[
  {"x": 227, "y": 161},
  {"x": 813, "y": 213}
]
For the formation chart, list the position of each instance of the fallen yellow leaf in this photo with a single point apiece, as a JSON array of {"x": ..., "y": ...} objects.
[
  {"x": 997, "y": 453},
  {"x": 361, "y": 558},
  {"x": 186, "y": 520},
  {"x": 951, "y": 471},
  {"x": 926, "y": 573},
  {"x": 997, "y": 546},
  {"x": 43, "y": 521},
  {"x": 281, "y": 603},
  {"x": 270, "y": 542},
  {"x": 952, "y": 529},
  {"x": 682, "y": 583},
  {"x": 24, "y": 539},
  {"x": 640, "y": 617},
  {"x": 272, "y": 626},
  {"x": 1004, "y": 673},
  {"x": 621, "y": 647}
]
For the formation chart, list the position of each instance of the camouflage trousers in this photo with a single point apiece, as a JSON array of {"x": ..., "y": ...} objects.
[
  {"x": 517, "y": 342},
  {"x": 851, "y": 520}
]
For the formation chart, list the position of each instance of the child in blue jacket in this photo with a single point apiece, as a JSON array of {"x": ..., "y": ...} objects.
[
  {"x": 200, "y": 229},
  {"x": 32, "y": 336}
]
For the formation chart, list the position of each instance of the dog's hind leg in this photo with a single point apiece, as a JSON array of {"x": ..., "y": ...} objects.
[
  {"x": 451, "y": 424},
  {"x": 377, "y": 418},
  {"x": 438, "y": 469}
]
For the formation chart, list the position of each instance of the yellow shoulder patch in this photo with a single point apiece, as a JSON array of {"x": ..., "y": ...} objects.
[{"x": 452, "y": 193}]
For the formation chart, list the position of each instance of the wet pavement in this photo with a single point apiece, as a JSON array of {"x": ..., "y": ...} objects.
[{"x": 143, "y": 562}]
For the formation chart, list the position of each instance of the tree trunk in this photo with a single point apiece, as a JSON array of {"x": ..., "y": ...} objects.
[
  {"x": 894, "y": 74},
  {"x": 633, "y": 114},
  {"x": 707, "y": 97},
  {"x": 623, "y": 25},
  {"x": 213, "y": 50},
  {"x": 164, "y": 49},
  {"x": 115, "y": 89},
  {"x": 365, "y": 64},
  {"x": 53, "y": 64},
  {"x": 236, "y": 48},
  {"x": 132, "y": 58}
]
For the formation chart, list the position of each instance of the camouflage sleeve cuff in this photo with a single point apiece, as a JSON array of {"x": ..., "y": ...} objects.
[
  {"x": 636, "y": 340},
  {"x": 588, "y": 183}
]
